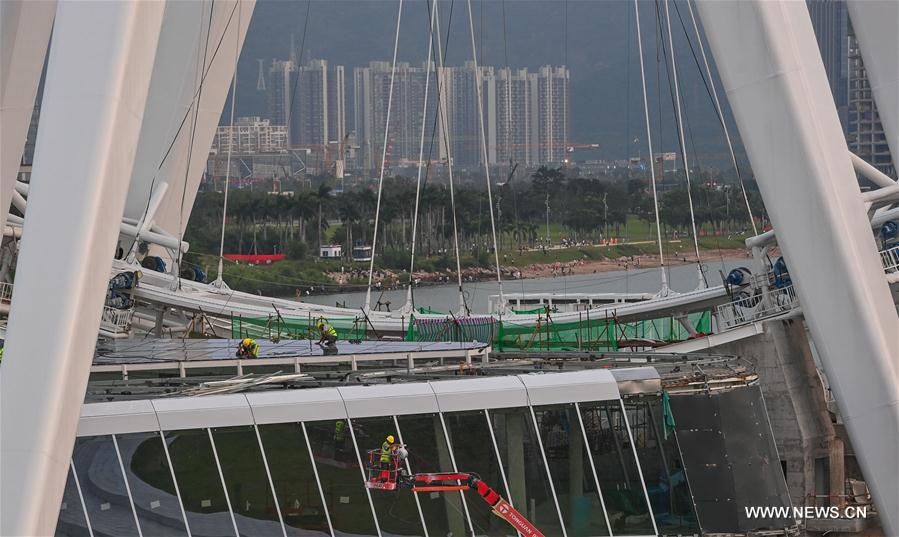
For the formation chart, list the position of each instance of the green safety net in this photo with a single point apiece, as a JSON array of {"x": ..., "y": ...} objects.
[
  {"x": 595, "y": 334},
  {"x": 277, "y": 327},
  {"x": 589, "y": 333},
  {"x": 428, "y": 311}
]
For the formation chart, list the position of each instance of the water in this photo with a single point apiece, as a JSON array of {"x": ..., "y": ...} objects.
[{"x": 443, "y": 298}]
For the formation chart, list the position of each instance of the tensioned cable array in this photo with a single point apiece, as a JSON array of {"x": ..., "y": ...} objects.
[
  {"x": 219, "y": 280},
  {"x": 374, "y": 240},
  {"x": 683, "y": 146},
  {"x": 474, "y": 57},
  {"x": 444, "y": 121},
  {"x": 655, "y": 198},
  {"x": 176, "y": 266},
  {"x": 421, "y": 150},
  {"x": 718, "y": 110}
]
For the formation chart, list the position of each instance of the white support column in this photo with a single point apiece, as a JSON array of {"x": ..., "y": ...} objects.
[
  {"x": 25, "y": 27},
  {"x": 771, "y": 68},
  {"x": 874, "y": 22},
  {"x": 96, "y": 87}
]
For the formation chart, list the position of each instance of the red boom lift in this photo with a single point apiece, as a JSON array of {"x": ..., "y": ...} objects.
[{"x": 395, "y": 476}]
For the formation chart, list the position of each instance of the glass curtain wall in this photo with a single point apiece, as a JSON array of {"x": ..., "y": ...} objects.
[
  {"x": 616, "y": 466},
  {"x": 525, "y": 469},
  {"x": 233, "y": 481},
  {"x": 71, "y": 521},
  {"x": 341, "y": 477},
  {"x": 103, "y": 486},
  {"x": 569, "y": 462},
  {"x": 397, "y": 510},
  {"x": 150, "y": 479},
  {"x": 443, "y": 512},
  {"x": 249, "y": 491},
  {"x": 660, "y": 460},
  {"x": 196, "y": 472},
  {"x": 293, "y": 474}
]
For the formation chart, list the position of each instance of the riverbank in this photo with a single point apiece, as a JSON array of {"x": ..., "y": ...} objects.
[
  {"x": 389, "y": 279},
  {"x": 307, "y": 277}
]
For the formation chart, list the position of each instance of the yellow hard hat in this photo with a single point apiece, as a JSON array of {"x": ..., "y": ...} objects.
[
  {"x": 390, "y": 438},
  {"x": 246, "y": 342},
  {"x": 320, "y": 324}
]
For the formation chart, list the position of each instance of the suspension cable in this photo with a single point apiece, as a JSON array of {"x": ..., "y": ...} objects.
[
  {"x": 719, "y": 111},
  {"x": 652, "y": 170},
  {"x": 483, "y": 136},
  {"x": 219, "y": 280},
  {"x": 374, "y": 241},
  {"x": 421, "y": 150},
  {"x": 441, "y": 104},
  {"x": 683, "y": 145},
  {"x": 176, "y": 266}
]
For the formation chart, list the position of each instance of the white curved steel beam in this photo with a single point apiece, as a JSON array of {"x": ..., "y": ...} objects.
[
  {"x": 24, "y": 33},
  {"x": 772, "y": 71}
]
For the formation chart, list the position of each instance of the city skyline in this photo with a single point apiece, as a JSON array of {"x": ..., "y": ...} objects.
[{"x": 526, "y": 114}]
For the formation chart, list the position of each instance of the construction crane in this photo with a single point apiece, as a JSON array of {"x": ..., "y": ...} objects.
[{"x": 394, "y": 476}]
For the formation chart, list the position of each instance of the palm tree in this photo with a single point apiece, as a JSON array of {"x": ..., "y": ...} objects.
[{"x": 323, "y": 195}]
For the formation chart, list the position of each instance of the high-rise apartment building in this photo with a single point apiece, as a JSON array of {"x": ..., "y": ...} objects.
[
  {"x": 865, "y": 132},
  {"x": 281, "y": 82},
  {"x": 526, "y": 115},
  {"x": 830, "y": 21},
  {"x": 310, "y": 100},
  {"x": 849, "y": 83},
  {"x": 550, "y": 98},
  {"x": 512, "y": 110},
  {"x": 250, "y": 135},
  {"x": 371, "y": 91}
]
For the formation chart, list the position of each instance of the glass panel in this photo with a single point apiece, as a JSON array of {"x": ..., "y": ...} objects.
[
  {"x": 663, "y": 470},
  {"x": 525, "y": 470},
  {"x": 473, "y": 451},
  {"x": 199, "y": 482},
  {"x": 338, "y": 470},
  {"x": 294, "y": 478},
  {"x": 428, "y": 453},
  {"x": 71, "y": 521},
  {"x": 103, "y": 486},
  {"x": 616, "y": 467},
  {"x": 248, "y": 489},
  {"x": 150, "y": 479},
  {"x": 396, "y": 510},
  {"x": 569, "y": 464}
]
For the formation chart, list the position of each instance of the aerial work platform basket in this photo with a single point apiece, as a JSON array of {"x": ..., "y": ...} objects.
[{"x": 382, "y": 478}]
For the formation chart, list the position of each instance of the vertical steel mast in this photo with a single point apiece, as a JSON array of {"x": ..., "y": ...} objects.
[{"x": 774, "y": 77}]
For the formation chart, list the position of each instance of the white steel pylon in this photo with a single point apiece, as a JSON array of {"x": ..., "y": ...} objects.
[
  {"x": 772, "y": 72},
  {"x": 98, "y": 75},
  {"x": 24, "y": 33}
]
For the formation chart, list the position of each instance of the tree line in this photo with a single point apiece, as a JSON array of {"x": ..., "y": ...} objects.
[{"x": 577, "y": 208}]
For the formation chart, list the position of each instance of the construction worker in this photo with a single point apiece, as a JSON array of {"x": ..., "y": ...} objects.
[
  {"x": 387, "y": 449},
  {"x": 248, "y": 348},
  {"x": 328, "y": 334}
]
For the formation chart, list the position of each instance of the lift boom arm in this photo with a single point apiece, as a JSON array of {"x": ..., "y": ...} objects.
[{"x": 469, "y": 481}]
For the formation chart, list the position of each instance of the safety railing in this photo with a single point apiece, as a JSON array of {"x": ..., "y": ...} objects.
[
  {"x": 890, "y": 259},
  {"x": 5, "y": 292},
  {"x": 115, "y": 320},
  {"x": 750, "y": 308}
]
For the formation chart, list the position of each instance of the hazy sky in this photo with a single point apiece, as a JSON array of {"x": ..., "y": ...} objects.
[{"x": 595, "y": 38}]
